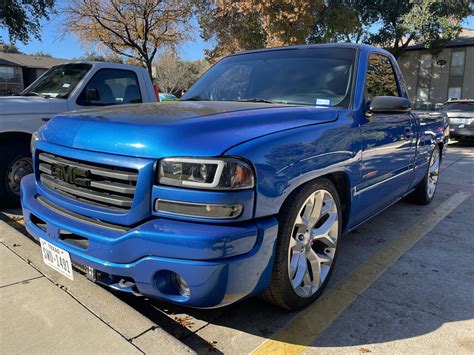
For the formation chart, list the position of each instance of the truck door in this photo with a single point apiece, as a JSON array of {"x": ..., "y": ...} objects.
[
  {"x": 388, "y": 143},
  {"x": 109, "y": 86}
]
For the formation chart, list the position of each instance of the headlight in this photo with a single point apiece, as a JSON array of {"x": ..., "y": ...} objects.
[
  {"x": 34, "y": 141},
  {"x": 216, "y": 174}
]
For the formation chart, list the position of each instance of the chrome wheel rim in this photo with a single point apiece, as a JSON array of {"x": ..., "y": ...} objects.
[
  {"x": 433, "y": 172},
  {"x": 313, "y": 243},
  {"x": 18, "y": 170}
]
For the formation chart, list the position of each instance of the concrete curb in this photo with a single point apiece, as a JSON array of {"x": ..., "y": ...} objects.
[{"x": 126, "y": 321}]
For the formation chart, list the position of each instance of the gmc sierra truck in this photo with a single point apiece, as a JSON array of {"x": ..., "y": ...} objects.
[
  {"x": 66, "y": 87},
  {"x": 243, "y": 187}
]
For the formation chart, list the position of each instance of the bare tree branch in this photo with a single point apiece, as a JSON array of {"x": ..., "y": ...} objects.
[{"x": 135, "y": 29}]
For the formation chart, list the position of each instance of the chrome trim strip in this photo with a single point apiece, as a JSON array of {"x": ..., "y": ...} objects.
[
  {"x": 113, "y": 186},
  {"x": 80, "y": 218},
  {"x": 103, "y": 185},
  {"x": 57, "y": 185},
  {"x": 358, "y": 192},
  {"x": 121, "y": 175}
]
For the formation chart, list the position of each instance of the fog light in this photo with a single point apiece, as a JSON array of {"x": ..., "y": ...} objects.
[
  {"x": 181, "y": 286},
  {"x": 200, "y": 210}
]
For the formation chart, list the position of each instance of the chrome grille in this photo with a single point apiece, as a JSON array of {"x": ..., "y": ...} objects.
[{"x": 92, "y": 183}]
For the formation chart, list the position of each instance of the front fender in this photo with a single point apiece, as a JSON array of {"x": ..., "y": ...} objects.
[{"x": 286, "y": 160}]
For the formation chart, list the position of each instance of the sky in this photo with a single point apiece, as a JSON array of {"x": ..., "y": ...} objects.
[{"x": 68, "y": 47}]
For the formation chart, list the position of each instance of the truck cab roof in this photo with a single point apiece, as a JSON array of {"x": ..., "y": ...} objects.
[
  {"x": 108, "y": 65},
  {"x": 358, "y": 46}
]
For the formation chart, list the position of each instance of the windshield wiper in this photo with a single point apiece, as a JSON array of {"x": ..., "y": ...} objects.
[
  {"x": 195, "y": 98},
  {"x": 34, "y": 93},
  {"x": 257, "y": 100},
  {"x": 30, "y": 93}
]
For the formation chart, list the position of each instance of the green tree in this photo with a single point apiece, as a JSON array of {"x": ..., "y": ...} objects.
[
  {"x": 41, "y": 54},
  {"x": 22, "y": 18},
  {"x": 431, "y": 22},
  {"x": 94, "y": 57},
  {"x": 345, "y": 21},
  {"x": 9, "y": 48}
]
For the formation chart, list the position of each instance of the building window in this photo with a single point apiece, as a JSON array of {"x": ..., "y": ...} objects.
[
  {"x": 7, "y": 72},
  {"x": 454, "y": 92},
  {"x": 424, "y": 78},
  {"x": 457, "y": 63}
]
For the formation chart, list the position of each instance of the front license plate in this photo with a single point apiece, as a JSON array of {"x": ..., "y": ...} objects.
[
  {"x": 458, "y": 120},
  {"x": 56, "y": 258}
]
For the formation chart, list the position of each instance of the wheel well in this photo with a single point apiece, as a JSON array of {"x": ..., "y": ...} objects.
[
  {"x": 441, "y": 145},
  {"x": 15, "y": 137},
  {"x": 341, "y": 182}
]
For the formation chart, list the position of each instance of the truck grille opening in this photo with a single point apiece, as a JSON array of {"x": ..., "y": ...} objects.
[
  {"x": 74, "y": 239},
  {"x": 38, "y": 222},
  {"x": 96, "y": 184}
]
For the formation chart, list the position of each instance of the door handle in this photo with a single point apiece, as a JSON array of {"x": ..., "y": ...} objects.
[{"x": 408, "y": 133}]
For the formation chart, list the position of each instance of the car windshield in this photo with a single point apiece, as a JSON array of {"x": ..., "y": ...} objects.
[
  {"x": 302, "y": 76},
  {"x": 59, "y": 81},
  {"x": 459, "y": 106}
]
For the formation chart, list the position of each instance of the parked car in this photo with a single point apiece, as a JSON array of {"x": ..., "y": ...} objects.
[
  {"x": 243, "y": 187},
  {"x": 167, "y": 97},
  {"x": 65, "y": 87},
  {"x": 461, "y": 118}
]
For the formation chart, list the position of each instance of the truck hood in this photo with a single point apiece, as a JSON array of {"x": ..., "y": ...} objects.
[
  {"x": 24, "y": 105},
  {"x": 189, "y": 128}
]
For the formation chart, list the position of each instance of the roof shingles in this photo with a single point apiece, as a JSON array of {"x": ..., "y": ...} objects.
[{"x": 29, "y": 61}]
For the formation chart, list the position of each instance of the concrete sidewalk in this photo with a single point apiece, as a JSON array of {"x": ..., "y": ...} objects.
[
  {"x": 43, "y": 312},
  {"x": 38, "y": 317}
]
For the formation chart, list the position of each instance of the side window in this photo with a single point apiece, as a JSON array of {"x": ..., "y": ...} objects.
[
  {"x": 380, "y": 79},
  {"x": 111, "y": 87}
]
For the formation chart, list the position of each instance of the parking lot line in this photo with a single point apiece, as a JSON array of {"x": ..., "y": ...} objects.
[{"x": 307, "y": 325}]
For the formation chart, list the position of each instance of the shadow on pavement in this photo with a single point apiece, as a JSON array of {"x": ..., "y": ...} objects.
[{"x": 392, "y": 314}]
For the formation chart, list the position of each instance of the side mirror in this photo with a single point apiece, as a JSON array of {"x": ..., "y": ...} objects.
[
  {"x": 389, "y": 104},
  {"x": 92, "y": 95}
]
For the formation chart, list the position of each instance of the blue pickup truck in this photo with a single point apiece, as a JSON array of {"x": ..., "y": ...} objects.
[{"x": 243, "y": 187}]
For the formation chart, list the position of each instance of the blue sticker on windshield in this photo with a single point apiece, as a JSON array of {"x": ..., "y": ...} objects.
[{"x": 323, "y": 102}]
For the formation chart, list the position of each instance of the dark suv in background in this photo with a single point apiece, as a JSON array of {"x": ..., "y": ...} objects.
[{"x": 461, "y": 118}]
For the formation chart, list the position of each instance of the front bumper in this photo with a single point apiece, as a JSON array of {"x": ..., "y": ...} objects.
[
  {"x": 461, "y": 130},
  {"x": 220, "y": 263}
]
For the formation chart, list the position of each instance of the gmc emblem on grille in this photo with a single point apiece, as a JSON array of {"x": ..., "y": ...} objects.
[{"x": 71, "y": 175}]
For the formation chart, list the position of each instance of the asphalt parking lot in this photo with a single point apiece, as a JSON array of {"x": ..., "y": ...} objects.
[{"x": 404, "y": 282}]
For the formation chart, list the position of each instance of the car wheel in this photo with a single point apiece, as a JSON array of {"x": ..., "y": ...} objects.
[
  {"x": 15, "y": 163},
  {"x": 309, "y": 230},
  {"x": 425, "y": 191}
]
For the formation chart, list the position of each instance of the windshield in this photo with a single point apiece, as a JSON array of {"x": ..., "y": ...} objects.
[
  {"x": 309, "y": 76},
  {"x": 459, "y": 106},
  {"x": 59, "y": 81}
]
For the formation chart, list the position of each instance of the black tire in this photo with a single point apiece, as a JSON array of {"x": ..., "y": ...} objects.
[
  {"x": 280, "y": 292},
  {"x": 421, "y": 194},
  {"x": 10, "y": 154}
]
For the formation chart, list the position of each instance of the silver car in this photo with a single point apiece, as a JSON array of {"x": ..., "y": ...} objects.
[{"x": 461, "y": 118}]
